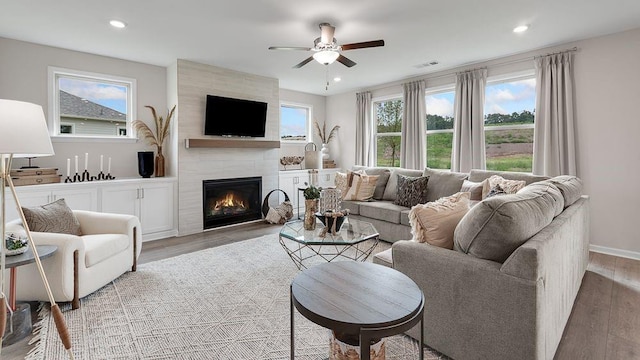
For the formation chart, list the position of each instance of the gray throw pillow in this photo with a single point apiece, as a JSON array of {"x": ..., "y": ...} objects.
[
  {"x": 443, "y": 183},
  {"x": 411, "y": 190},
  {"x": 55, "y": 217},
  {"x": 383, "y": 178}
]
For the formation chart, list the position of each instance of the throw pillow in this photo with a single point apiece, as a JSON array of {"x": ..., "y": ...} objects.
[
  {"x": 55, "y": 217},
  {"x": 391, "y": 190},
  {"x": 496, "y": 191},
  {"x": 383, "y": 178},
  {"x": 474, "y": 188},
  {"x": 435, "y": 222},
  {"x": 343, "y": 181},
  {"x": 509, "y": 186},
  {"x": 362, "y": 187},
  {"x": 411, "y": 190},
  {"x": 443, "y": 183}
]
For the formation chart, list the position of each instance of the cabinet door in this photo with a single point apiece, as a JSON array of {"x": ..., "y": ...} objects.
[
  {"x": 121, "y": 199},
  {"x": 26, "y": 199},
  {"x": 83, "y": 199},
  {"x": 156, "y": 207}
]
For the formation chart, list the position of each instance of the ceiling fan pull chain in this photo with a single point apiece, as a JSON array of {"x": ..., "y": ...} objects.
[{"x": 326, "y": 77}]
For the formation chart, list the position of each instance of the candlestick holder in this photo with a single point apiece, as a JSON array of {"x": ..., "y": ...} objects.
[
  {"x": 86, "y": 176},
  {"x": 77, "y": 177},
  {"x": 109, "y": 177},
  {"x": 68, "y": 179},
  {"x": 100, "y": 176}
]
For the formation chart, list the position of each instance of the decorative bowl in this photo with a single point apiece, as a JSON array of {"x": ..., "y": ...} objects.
[
  {"x": 16, "y": 243},
  {"x": 328, "y": 221},
  {"x": 17, "y": 251}
]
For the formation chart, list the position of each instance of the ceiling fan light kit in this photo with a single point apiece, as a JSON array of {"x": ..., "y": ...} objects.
[{"x": 327, "y": 51}]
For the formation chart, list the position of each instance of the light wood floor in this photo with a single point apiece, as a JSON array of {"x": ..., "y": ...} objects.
[{"x": 604, "y": 323}]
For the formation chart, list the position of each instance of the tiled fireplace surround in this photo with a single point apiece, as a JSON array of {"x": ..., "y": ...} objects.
[{"x": 193, "y": 82}]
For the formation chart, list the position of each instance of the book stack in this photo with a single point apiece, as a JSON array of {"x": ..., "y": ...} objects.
[
  {"x": 328, "y": 164},
  {"x": 34, "y": 176}
]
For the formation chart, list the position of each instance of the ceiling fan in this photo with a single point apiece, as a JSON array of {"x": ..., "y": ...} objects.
[{"x": 326, "y": 50}]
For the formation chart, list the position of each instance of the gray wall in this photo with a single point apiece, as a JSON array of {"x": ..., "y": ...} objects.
[{"x": 23, "y": 76}]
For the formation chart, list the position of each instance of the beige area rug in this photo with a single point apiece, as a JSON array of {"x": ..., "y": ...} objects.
[{"x": 228, "y": 302}]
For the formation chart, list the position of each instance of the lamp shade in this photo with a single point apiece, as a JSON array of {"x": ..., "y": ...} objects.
[
  {"x": 326, "y": 57},
  {"x": 23, "y": 130}
]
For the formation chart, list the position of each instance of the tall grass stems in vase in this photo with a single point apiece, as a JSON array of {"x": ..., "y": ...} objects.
[{"x": 162, "y": 126}]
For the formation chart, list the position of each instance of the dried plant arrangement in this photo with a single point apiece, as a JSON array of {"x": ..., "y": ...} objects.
[{"x": 322, "y": 132}]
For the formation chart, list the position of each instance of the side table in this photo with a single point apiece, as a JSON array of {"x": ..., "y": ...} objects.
[
  {"x": 19, "y": 324},
  {"x": 363, "y": 300}
]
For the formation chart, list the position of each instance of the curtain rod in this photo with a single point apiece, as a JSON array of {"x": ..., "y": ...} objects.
[{"x": 509, "y": 62}]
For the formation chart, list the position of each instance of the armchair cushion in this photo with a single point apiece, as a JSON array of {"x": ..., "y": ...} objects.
[
  {"x": 55, "y": 217},
  {"x": 103, "y": 246}
]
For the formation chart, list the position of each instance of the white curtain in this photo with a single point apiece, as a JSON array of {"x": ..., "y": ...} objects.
[
  {"x": 468, "y": 129},
  {"x": 413, "y": 141},
  {"x": 554, "y": 151},
  {"x": 365, "y": 136}
]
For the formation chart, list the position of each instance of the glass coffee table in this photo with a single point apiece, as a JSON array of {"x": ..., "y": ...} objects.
[{"x": 307, "y": 247}]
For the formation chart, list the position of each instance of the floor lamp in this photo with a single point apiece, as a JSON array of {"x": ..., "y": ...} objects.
[{"x": 23, "y": 133}]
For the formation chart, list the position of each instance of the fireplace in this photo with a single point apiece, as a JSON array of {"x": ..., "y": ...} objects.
[{"x": 231, "y": 201}]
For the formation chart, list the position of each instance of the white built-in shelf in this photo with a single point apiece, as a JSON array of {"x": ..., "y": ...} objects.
[{"x": 231, "y": 143}]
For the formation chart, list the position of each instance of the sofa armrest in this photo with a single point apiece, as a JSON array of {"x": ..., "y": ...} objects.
[
  {"x": 466, "y": 296},
  {"x": 92, "y": 223}
]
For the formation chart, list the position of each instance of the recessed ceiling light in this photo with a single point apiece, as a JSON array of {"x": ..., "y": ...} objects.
[
  {"x": 337, "y": 78},
  {"x": 118, "y": 24},
  {"x": 520, "y": 29}
]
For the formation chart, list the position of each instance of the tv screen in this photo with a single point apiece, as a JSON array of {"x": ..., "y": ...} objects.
[{"x": 235, "y": 117}]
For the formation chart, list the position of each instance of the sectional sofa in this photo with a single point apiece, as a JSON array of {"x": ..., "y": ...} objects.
[{"x": 507, "y": 288}]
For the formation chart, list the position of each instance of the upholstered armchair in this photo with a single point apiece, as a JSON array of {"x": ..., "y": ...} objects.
[{"x": 108, "y": 247}]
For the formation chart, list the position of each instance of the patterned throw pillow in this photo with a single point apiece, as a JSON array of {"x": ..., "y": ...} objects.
[
  {"x": 55, "y": 217},
  {"x": 362, "y": 187},
  {"x": 435, "y": 222},
  {"x": 344, "y": 181},
  {"x": 411, "y": 190},
  {"x": 509, "y": 186},
  {"x": 495, "y": 191}
]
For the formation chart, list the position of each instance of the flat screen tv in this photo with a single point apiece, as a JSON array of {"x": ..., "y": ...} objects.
[{"x": 235, "y": 117}]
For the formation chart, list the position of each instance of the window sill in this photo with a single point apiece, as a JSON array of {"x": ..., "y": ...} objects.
[{"x": 74, "y": 139}]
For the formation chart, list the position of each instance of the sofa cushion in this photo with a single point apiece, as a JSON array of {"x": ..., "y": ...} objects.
[
  {"x": 383, "y": 258},
  {"x": 505, "y": 186},
  {"x": 55, "y": 217},
  {"x": 362, "y": 187},
  {"x": 551, "y": 189},
  {"x": 476, "y": 175},
  {"x": 353, "y": 206},
  {"x": 382, "y": 210},
  {"x": 497, "y": 226},
  {"x": 443, "y": 183},
  {"x": 570, "y": 187},
  {"x": 391, "y": 190},
  {"x": 436, "y": 221},
  {"x": 103, "y": 246},
  {"x": 404, "y": 217},
  {"x": 474, "y": 188},
  {"x": 411, "y": 190}
]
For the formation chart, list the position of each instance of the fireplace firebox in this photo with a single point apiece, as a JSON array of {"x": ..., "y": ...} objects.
[{"x": 231, "y": 201}]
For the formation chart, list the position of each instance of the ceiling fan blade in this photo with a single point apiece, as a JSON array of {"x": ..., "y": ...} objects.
[
  {"x": 289, "y": 48},
  {"x": 303, "y": 62},
  {"x": 327, "y": 31},
  {"x": 345, "y": 61},
  {"x": 362, "y": 45}
]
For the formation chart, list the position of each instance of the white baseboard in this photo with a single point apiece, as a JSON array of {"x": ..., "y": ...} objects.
[{"x": 615, "y": 252}]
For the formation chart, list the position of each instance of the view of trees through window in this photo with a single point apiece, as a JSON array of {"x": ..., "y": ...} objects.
[
  {"x": 389, "y": 126},
  {"x": 509, "y": 120},
  {"x": 509, "y": 117}
]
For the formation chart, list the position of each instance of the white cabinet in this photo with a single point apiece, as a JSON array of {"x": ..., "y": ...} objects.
[
  {"x": 152, "y": 202},
  {"x": 292, "y": 180},
  {"x": 79, "y": 198}
]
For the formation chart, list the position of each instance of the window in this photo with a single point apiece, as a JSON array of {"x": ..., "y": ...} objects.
[
  {"x": 388, "y": 115},
  {"x": 90, "y": 105},
  {"x": 439, "y": 129},
  {"x": 295, "y": 122},
  {"x": 509, "y": 121}
]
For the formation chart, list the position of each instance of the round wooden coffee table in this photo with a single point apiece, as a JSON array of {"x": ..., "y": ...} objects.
[{"x": 362, "y": 299}]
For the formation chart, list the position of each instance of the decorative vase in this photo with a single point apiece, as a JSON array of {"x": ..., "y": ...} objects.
[
  {"x": 310, "y": 208},
  {"x": 159, "y": 168},
  {"x": 145, "y": 163},
  {"x": 325, "y": 152}
]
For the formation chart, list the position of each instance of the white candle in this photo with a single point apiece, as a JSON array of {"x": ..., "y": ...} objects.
[
  {"x": 101, "y": 159},
  {"x": 109, "y": 167},
  {"x": 68, "y": 167},
  {"x": 86, "y": 160},
  {"x": 76, "y": 164}
]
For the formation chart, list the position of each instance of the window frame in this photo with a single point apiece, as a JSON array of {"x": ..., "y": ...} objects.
[
  {"x": 309, "y": 129},
  {"x": 374, "y": 121},
  {"x": 55, "y": 73}
]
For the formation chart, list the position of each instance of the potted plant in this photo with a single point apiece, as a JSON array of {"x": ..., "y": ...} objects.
[
  {"x": 157, "y": 139},
  {"x": 311, "y": 196}
]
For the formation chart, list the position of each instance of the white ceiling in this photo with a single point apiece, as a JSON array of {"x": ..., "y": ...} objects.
[{"x": 236, "y": 34}]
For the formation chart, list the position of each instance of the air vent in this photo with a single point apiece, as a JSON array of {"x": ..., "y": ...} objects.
[{"x": 423, "y": 65}]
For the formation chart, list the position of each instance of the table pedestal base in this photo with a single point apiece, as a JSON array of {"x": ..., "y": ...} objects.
[{"x": 18, "y": 325}]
